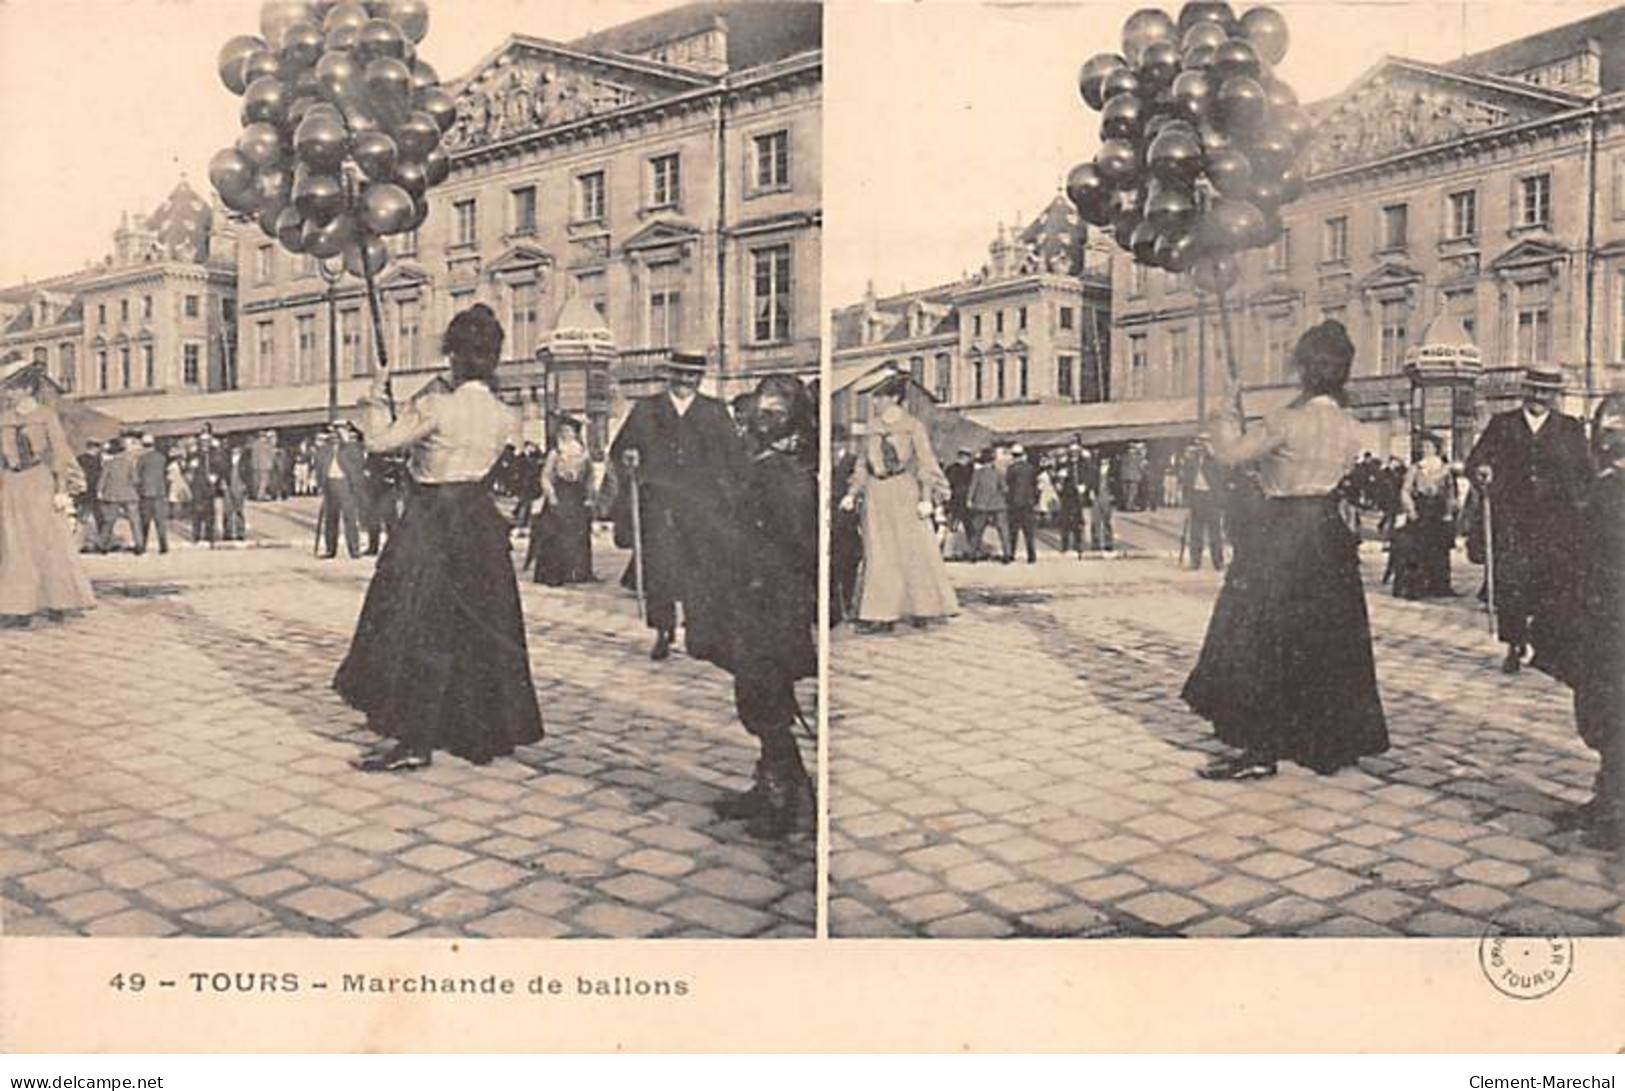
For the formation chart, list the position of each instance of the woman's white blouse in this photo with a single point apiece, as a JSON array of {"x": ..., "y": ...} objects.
[{"x": 455, "y": 435}]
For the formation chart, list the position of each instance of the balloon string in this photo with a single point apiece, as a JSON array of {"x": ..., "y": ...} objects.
[{"x": 1227, "y": 332}]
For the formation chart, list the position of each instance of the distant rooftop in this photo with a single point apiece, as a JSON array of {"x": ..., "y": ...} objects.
[
  {"x": 759, "y": 31},
  {"x": 1556, "y": 44}
]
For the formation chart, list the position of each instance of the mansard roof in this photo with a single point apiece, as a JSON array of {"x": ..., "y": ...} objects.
[
  {"x": 1554, "y": 44},
  {"x": 759, "y": 31}
]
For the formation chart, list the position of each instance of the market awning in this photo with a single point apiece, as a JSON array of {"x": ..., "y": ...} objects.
[{"x": 1047, "y": 424}]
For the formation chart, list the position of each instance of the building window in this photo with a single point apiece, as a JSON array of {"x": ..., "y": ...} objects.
[
  {"x": 1395, "y": 227},
  {"x": 264, "y": 350},
  {"x": 308, "y": 266},
  {"x": 304, "y": 357},
  {"x": 1137, "y": 279},
  {"x": 665, "y": 181},
  {"x": 407, "y": 337},
  {"x": 189, "y": 364},
  {"x": 524, "y": 210},
  {"x": 101, "y": 314},
  {"x": 1334, "y": 239},
  {"x": 1395, "y": 318},
  {"x": 976, "y": 325},
  {"x": 1023, "y": 377},
  {"x": 1277, "y": 347},
  {"x": 590, "y": 191},
  {"x": 1021, "y": 318},
  {"x": 998, "y": 322},
  {"x": 190, "y": 306},
  {"x": 406, "y": 243},
  {"x": 590, "y": 286},
  {"x": 124, "y": 308},
  {"x": 773, "y": 160},
  {"x": 1067, "y": 318},
  {"x": 124, "y": 368},
  {"x": 1534, "y": 322},
  {"x": 68, "y": 361},
  {"x": 350, "y": 341},
  {"x": 1063, "y": 376},
  {"x": 979, "y": 378},
  {"x": 916, "y": 369},
  {"x": 1535, "y": 201},
  {"x": 41, "y": 354},
  {"x": 771, "y": 287},
  {"x": 1463, "y": 303},
  {"x": 1179, "y": 359},
  {"x": 1280, "y": 253},
  {"x": 101, "y": 369},
  {"x": 524, "y": 318},
  {"x": 265, "y": 271},
  {"x": 1137, "y": 360},
  {"x": 146, "y": 307},
  {"x": 945, "y": 377},
  {"x": 149, "y": 366},
  {"x": 465, "y": 222},
  {"x": 665, "y": 305},
  {"x": 1463, "y": 214}
]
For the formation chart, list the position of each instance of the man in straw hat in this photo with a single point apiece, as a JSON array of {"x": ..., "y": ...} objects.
[
  {"x": 1532, "y": 464},
  {"x": 687, "y": 459}
]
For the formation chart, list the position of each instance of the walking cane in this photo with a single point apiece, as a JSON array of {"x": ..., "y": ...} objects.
[
  {"x": 1184, "y": 537},
  {"x": 637, "y": 543},
  {"x": 1489, "y": 560}
]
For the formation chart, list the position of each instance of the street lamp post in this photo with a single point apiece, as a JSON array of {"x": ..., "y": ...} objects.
[{"x": 331, "y": 269}]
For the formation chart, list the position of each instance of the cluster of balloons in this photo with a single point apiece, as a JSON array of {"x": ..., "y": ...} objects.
[
  {"x": 1200, "y": 140},
  {"x": 341, "y": 127}
]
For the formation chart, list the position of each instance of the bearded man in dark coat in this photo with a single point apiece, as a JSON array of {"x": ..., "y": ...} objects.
[
  {"x": 1533, "y": 463},
  {"x": 688, "y": 462}
]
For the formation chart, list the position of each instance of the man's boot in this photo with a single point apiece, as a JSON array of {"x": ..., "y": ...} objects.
[
  {"x": 1513, "y": 663},
  {"x": 788, "y": 804},
  {"x": 747, "y": 803},
  {"x": 662, "y": 645}
]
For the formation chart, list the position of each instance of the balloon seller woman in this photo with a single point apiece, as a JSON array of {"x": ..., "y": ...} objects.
[
  {"x": 439, "y": 659},
  {"x": 1286, "y": 669}
]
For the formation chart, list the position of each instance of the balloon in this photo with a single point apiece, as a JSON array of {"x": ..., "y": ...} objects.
[
  {"x": 1214, "y": 139},
  {"x": 359, "y": 117},
  {"x": 272, "y": 186},
  {"x": 1174, "y": 156},
  {"x": 379, "y": 38},
  {"x": 1198, "y": 58},
  {"x": 297, "y": 111},
  {"x": 1266, "y": 194},
  {"x": 276, "y": 16},
  {"x": 424, "y": 77},
  {"x": 345, "y": 15},
  {"x": 318, "y": 197},
  {"x": 260, "y": 145},
  {"x": 1211, "y": 35},
  {"x": 369, "y": 249},
  {"x": 301, "y": 46},
  {"x": 290, "y": 229},
  {"x": 265, "y": 100},
  {"x": 1294, "y": 122},
  {"x": 1279, "y": 93},
  {"x": 1291, "y": 185},
  {"x": 1273, "y": 228},
  {"x": 1192, "y": 95},
  {"x": 1124, "y": 224},
  {"x": 305, "y": 84},
  {"x": 1142, "y": 242},
  {"x": 1123, "y": 118},
  {"x": 412, "y": 16},
  {"x": 1119, "y": 81},
  {"x": 231, "y": 58},
  {"x": 1207, "y": 11},
  {"x": 1266, "y": 29},
  {"x": 1240, "y": 105},
  {"x": 321, "y": 143},
  {"x": 341, "y": 40},
  {"x": 378, "y": 9},
  {"x": 231, "y": 173},
  {"x": 1271, "y": 152},
  {"x": 420, "y": 213},
  {"x": 376, "y": 155},
  {"x": 1216, "y": 273},
  {"x": 1089, "y": 194},
  {"x": 1235, "y": 58},
  {"x": 389, "y": 88},
  {"x": 417, "y": 136},
  {"x": 1169, "y": 206},
  {"x": 1175, "y": 251},
  {"x": 327, "y": 240},
  {"x": 1092, "y": 73},
  {"x": 325, "y": 109},
  {"x": 320, "y": 8},
  {"x": 1229, "y": 225},
  {"x": 261, "y": 62},
  {"x": 437, "y": 167},
  {"x": 411, "y": 176},
  {"x": 339, "y": 76},
  {"x": 1230, "y": 171},
  {"x": 1118, "y": 163},
  {"x": 385, "y": 208},
  {"x": 440, "y": 106},
  {"x": 1145, "y": 27},
  {"x": 1159, "y": 64},
  {"x": 267, "y": 216}
]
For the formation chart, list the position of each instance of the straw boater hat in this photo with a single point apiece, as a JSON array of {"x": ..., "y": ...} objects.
[
  {"x": 686, "y": 363},
  {"x": 1543, "y": 378}
]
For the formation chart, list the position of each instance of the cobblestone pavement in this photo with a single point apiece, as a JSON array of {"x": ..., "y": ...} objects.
[
  {"x": 1027, "y": 769},
  {"x": 175, "y": 763}
]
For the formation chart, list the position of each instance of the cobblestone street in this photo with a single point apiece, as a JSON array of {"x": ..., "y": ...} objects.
[
  {"x": 1028, "y": 769},
  {"x": 176, "y": 763}
]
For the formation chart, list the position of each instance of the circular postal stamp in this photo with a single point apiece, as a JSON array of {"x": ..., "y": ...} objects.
[{"x": 1524, "y": 962}]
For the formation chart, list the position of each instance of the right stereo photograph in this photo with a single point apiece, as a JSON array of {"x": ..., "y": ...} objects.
[{"x": 1227, "y": 521}]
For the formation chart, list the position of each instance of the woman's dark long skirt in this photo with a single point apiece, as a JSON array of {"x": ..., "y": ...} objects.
[
  {"x": 1422, "y": 564},
  {"x": 439, "y": 659},
  {"x": 564, "y": 543},
  {"x": 1286, "y": 670}
]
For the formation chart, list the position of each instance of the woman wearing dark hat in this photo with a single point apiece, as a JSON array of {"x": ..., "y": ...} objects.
[
  {"x": 439, "y": 659},
  {"x": 564, "y": 529},
  {"x": 1286, "y": 670}
]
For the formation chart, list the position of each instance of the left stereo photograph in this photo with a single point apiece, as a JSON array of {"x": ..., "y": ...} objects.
[{"x": 409, "y": 497}]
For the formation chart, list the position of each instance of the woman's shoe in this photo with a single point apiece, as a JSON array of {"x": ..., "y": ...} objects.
[
  {"x": 399, "y": 759},
  {"x": 1244, "y": 767},
  {"x": 1577, "y": 817}
]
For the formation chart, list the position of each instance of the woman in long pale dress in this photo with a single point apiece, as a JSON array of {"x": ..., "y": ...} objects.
[
  {"x": 39, "y": 564},
  {"x": 898, "y": 482},
  {"x": 1286, "y": 671}
]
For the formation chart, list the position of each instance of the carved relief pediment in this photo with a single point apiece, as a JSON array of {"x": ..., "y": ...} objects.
[
  {"x": 519, "y": 259},
  {"x": 403, "y": 274},
  {"x": 531, "y": 86},
  {"x": 661, "y": 233},
  {"x": 1390, "y": 272},
  {"x": 1535, "y": 251},
  {"x": 1402, "y": 107}
]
